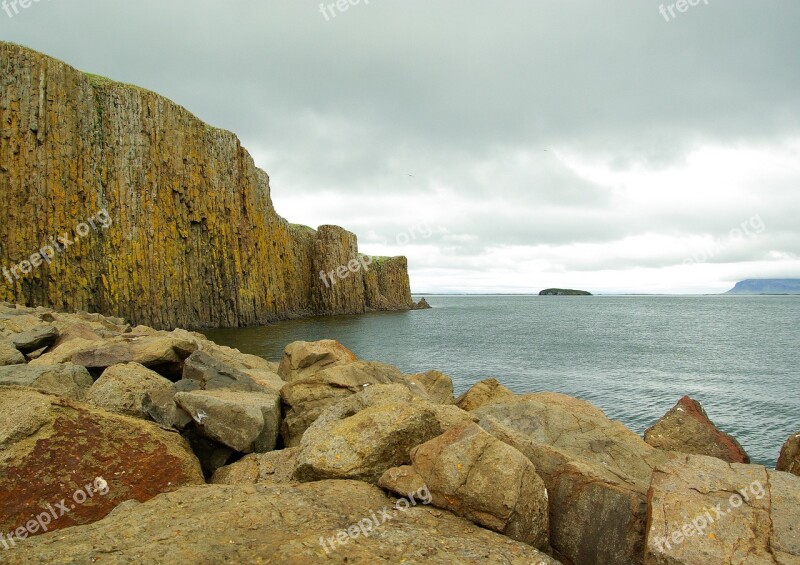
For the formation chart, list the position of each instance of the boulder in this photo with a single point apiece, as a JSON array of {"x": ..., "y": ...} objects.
[
  {"x": 307, "y": 397},
  {"x": 68, "y": 380},
  {"x": 213, "y": 374},
  {"x": 244, "y": 421},
  {"x": 162, "y": 352},
  {"x": 438, "y": 386},
  {"x": 362, "y": 436},
  {"x": 122, "y": 389},
  {"x": 212, "y": 454},
  {"x": 789, "y": 460},
  {"x": 51, "y": 448},
  {"x": 597, "y": 473},
  {"x": 686, "y": 428},
  {"x": 482, "y": 393},
  {"x": 480, "y": 478},
  {"x": 304, "y": 358},
  {"x": 275, "y": 467},
  {"x": 704, "y": 510},
  {"x": 63, "y": 352},
  {"x": 34, "y": 339},
  {"x": 161, "y": 407},
  {"x": 330, "y": 521},
  {"x": 9, "y": 355}
]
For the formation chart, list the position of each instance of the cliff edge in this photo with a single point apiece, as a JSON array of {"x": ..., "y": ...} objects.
[{"x": 119, "y": 201}]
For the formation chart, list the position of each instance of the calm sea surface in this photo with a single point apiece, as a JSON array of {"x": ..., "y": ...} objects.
[{"x": 633, "y": 357}]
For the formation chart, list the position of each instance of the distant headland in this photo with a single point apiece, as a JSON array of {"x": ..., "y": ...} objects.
[{"x": 766, "y": 286}]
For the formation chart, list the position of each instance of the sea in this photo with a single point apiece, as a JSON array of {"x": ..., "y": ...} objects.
[{"x": 633, "y": 357}]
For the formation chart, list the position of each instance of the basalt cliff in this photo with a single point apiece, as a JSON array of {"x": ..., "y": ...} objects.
[{"x": 170, "y": 222}]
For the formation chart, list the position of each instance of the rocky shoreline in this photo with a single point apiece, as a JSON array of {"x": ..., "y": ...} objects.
[{"x": 123, "y": 444}]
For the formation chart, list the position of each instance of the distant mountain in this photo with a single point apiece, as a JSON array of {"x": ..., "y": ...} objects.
[{"x": 766, "y": 286}]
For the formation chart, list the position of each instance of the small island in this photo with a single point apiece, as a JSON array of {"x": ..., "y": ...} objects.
[{"x": 564, "y": 292}]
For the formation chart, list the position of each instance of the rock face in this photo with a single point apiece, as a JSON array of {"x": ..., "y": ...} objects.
[
  {"x": 51, "y": 448},
  {"x": 278, "y": 524},
  {"x": 703, "y": 510},
  {"x": 474, "y": 475},
  {"x": 597, "y": 473},
  {"x": 188, "y": 239},
  {"x": 789, "y": 460},
  {"x": 687, "y": 428}
]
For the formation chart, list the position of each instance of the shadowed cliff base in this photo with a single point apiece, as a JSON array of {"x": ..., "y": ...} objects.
[{"x": 193, "y": 239}]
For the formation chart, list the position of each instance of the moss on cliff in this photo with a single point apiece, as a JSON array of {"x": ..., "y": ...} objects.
[{"x": 195, "y": 240}]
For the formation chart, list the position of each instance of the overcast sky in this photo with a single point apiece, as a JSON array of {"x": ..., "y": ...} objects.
[{"x": 501, "y": 146}]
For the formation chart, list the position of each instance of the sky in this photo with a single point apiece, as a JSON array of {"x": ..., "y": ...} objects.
[{"x": 616, "y": 147}]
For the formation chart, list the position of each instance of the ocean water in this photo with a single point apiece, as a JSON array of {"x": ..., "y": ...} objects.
[{"x": 632, "y": 356}]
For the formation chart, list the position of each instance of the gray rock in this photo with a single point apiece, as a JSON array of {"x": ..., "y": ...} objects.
[
  {"x": 213, "y": 374},
  {"x": 10, "y": 355},
  {"x": 34, "y": 339},
  {"x": 244, "y": 421},
  {"x": 67, "y": 380}
]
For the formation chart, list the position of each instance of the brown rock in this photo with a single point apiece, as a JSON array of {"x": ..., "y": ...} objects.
[
  {"x": 438, "y": 386},
  {"x": 686, "y": 428},
  {"x": 789, "y": 460},
  {"x": 275, "y": 467},
  {"x": 278, "y": 524},
  {"x": 307, "y": 397},
  {"x": 474, "y": 475},
  {"x": 482, "y": 393},
  {"x": 164, "y": 353},
  {"x": 592, "y": 467},
  {"x": 703, "y": 510},
  {"x": 122, "y": 388},
  {"x": 303, "y": 358},
  {"x": 50, "y": 448}
]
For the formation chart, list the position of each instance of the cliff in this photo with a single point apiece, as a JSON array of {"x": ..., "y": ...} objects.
[
  {"x": 766, "y": 286},
  {"x": 172, "y": 222}
]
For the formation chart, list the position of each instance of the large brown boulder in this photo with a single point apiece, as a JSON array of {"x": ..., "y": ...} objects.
[
  {"x": 122, "y": 389},
  {"x": 686, "y": 428},
  {"x": 363, "y": 435},
  {"x": 67, "y": 380},
  {"x": 307, "y": 397},
  {"x": 51, "y": 448},
  {"x": 482, "y": 479},
  {"x": 482, "y": 393},
  {"x": 304, "y": 358},
  {"x": 329, "y": 521},
  {"x": 597, "y": 473},
  {"x": 705, "y": 511},
  {"x": 789, "y": 460}
]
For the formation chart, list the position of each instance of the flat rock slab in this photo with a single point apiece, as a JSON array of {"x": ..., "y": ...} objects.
[
  {"x": 50, "y": 448},
  {"x": 35, "y": 339},
  {"x": 702, "y": 510},
  {"x": 67, "y": 380},
  {"x": 278, "y": 524}
]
